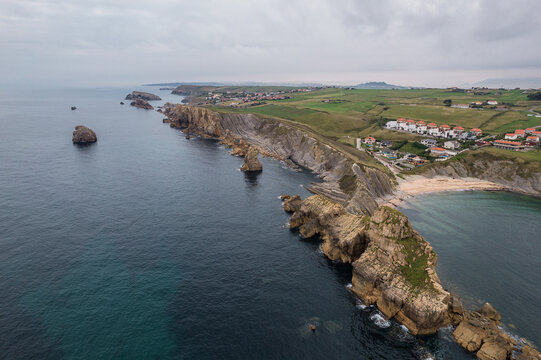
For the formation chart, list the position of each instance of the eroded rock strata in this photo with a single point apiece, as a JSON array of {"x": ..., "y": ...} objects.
[{"x": 359, "y": 188}]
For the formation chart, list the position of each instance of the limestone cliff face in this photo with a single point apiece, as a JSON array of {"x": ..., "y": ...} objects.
[
  {"x": 393, "y": 266},
  {"x": 359, "y": 188},
  {"x": 516, "y": 176}
]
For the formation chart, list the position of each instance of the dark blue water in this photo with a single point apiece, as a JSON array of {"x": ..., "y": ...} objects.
[
  {"x": 489, "y": 249},
  {"x": 148, "y": 246}
]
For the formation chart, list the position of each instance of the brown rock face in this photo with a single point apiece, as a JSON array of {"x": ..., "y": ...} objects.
[
  {"x": 142, "y": 95},
  {"x": 82, "y": 135},
  {"x": 393, "y": 267},
  {"x": 251, "y": 161},
  {"x": 142, "y": 104},
  {"x": 529, "y": 353}
]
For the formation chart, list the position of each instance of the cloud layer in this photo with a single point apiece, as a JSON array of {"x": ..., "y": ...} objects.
[{"x": 416, "y": 42}]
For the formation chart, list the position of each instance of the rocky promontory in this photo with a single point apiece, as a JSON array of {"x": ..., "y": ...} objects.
[
  {"x": 251, "y": 161},
  {"x": 142, "y": 95},
  {"x": 142, "y": 104},
  {"x": 393, "y": 267},
  {"x": 82, "y": 135}
]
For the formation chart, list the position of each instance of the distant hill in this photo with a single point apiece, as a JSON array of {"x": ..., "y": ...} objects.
[{"x": 381, "y": 85}]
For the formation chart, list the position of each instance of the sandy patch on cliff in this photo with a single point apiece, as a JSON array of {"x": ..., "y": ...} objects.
[{"x": 416, "y": 185}]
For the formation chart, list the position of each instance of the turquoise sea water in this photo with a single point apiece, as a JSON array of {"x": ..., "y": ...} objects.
[
  {"x": 489, "y": 249},
  {"x": 146, "y": 245}
]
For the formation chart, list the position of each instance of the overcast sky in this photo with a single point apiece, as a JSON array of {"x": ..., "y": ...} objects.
[{"x": 405, "y": 42}]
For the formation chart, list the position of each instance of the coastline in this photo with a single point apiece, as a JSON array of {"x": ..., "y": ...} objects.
[
  {"x": 416, "y": 185},
  {"x": 370, "y": 238}
]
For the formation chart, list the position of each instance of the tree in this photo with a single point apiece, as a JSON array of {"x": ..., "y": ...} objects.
[
  {"x": 448, "y": 102},
  {"x": 535, "y": 96}
]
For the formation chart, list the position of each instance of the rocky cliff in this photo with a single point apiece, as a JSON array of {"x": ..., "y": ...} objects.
[
  {"x": 393, "y": 266},
  {"x": 358, "y": 187},
  {"x": 142, "y": 95},
  {"x": 514, "y": 173}
]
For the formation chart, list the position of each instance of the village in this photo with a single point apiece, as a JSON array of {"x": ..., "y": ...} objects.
[
  {"x": 442, "y": 142},
  {"x": 244, "y": 98}
]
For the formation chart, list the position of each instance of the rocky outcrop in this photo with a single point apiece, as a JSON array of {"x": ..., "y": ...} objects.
[
  {"x": 393, "y": 266},
  {"x": 82, "y": 135},
  {"x": 251, "y": 161},
  {"x": 142, "y": 95},
  {"x": 513, "y": 173},
  {"x": 479, "y": 332},
  {"x": 358, "y": 187},
  {"x": 529, "y": 353},
  {"x": 142, "y": 104}
]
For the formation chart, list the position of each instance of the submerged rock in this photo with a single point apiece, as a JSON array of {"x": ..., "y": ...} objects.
[
  {"x": 143, "y": 96},
  {"x": 251, "y": 161},
  {"x": 142, "y": 104},
  {"x": 82, "y": 135},
  {"x": 529, "y": 353}
]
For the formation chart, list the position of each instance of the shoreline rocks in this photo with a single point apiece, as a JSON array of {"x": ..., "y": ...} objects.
[
  {"x": 142, "y": 104},
  {"x": 251, "y": 161},
  {"x": 142, "y": 95},
  {"x": 83, "y": 135}
]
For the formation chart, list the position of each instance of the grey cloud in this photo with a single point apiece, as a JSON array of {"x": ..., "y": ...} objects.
[{"x": 99, "y": 41}]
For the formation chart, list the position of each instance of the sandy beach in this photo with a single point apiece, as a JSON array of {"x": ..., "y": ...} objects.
[{"x": 416, "y": 185}]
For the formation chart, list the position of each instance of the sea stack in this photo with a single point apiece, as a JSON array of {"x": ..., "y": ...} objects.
[
  {"x": 251, "y": 161},
  {"x": 83, "y": 135},
  {"x": 142, "y": 104},
  {"x": 143, "y": 96}
]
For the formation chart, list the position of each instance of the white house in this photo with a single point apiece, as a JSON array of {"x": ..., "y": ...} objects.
[
  {"x": 492, "y": 102},
  {"x": 402, "y": 124},
  {"x": 429, "y": 142},
  {"x": 451, "y": 145},
  {"x": 432, "y": 129},
  {"x": 421, "y": 127},
  {"x": 391, "y": 124},
  {"x": 437, "y": 151},
  {"x": 411, "y": 125},
  {"x": 461, "y": 106},
  {"x": 511, "y": 136}
]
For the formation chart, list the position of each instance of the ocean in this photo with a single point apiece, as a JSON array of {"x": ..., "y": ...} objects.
[
  {"x": 146, "y": 245},
  {"x": 489, "y": 249}
]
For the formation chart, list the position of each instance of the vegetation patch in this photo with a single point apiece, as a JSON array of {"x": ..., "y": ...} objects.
[
  {"x": 416, "y": 264},
  {"x": 348, "y": 183}
]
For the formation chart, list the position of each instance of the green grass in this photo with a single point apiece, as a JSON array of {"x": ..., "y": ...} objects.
[
  {"x": 414, "y": 148},
  {"x": 416, "y": 263}
]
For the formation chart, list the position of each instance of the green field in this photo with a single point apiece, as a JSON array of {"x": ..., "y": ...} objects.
[
  {"x": 337, "y": 112},
  {"x": 338, "y": 116}
]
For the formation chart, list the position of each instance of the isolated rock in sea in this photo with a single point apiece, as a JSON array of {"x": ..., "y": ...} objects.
[
  {"x": 143, "y": 96},
  {"x": 82, "y": 135},
  {"x": 142, "y": 104},
  {"x": 122, "y": 103},
  {"x": 251, "y": 161},
  {"x": 74, "y": 108}
]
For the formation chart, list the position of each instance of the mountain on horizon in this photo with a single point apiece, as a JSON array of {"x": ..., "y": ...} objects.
[
  {"x": 511, "y": 83},
  {"x": 380, "y": 85}
]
